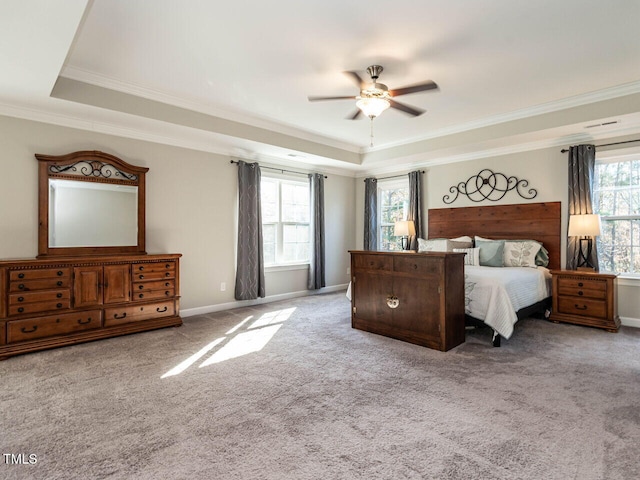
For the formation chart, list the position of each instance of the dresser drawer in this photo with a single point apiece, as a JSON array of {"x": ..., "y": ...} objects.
[
  {"x": 417, "y": 265},
  {"x": 153, "y": 285},
  {"x": 42, "y": 284},
  {"x": 30, "y": 329},
  {"x": 39, "y": 296},
  {"x": 577, "y": 286},
  {"x": 153, "y": 267},
  {"x": 582, "y": 306},
  {"x": 40, "y": 307},
  {"x": 39, "y": 274},
  {"x": 153, "y": 294},
  {"x": 157, "y": 275},
  {"x": 373, "y": 262},
  {"x": 117, "y": 316}
]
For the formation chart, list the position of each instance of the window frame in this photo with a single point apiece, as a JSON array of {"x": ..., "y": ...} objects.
[
  {"x": 389, "y": 184},
  {"x": 279, "y": 263},
  {"x": 615, "y": 157}
]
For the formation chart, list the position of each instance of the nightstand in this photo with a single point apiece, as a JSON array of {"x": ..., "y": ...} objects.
[{"x": 585, "y": 298}]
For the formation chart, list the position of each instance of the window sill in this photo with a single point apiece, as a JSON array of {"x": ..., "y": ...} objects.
[
  {"x": 286, "y": 267},
  {"x": 628, "y": 280}
]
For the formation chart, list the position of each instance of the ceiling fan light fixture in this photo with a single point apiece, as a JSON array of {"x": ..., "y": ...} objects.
[{"x": 372, "y": 106}]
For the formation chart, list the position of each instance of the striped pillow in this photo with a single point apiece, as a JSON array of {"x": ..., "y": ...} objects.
[{"x": 472, "y": 256}]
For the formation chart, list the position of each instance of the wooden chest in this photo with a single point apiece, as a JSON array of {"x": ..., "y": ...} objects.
[{"x": 415, "y": 297}]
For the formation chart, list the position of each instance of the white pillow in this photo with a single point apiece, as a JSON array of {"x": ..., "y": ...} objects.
[
  {"x": 520, "y": 254},
  {"x": 472, "y": 256},
  {"x": 439, "y": 245},
  {"x": 463, "y": 239}
]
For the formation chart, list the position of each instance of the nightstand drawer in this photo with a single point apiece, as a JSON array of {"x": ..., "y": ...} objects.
[
  {"x": 599, "y": 294},
  {"x": 589, "y": 287},
  {"x": 582, "y": 306}
]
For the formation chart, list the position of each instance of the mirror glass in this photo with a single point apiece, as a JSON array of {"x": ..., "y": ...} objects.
[{"x": 90, "y": 214}]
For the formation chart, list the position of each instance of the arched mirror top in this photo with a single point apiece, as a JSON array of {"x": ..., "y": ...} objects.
[{"x": 90, "y": 203}]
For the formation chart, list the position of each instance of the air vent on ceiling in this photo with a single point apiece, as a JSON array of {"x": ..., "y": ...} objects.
[{"x": 601, "y": 124}]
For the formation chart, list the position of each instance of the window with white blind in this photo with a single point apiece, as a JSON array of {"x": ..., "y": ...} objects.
[
  {"x": 616, "y": 196},
  {"x": 393, "y": 205},
  {"x": 285, "y": 221}
]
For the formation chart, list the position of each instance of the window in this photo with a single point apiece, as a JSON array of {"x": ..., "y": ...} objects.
[
  {"x": 616, "y": 197},
  {"x": 285, "y": 221},
  {"x": 393, "y": 205}
]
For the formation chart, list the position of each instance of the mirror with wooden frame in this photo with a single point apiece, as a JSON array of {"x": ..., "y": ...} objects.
[{"x": 90, "y": 203}]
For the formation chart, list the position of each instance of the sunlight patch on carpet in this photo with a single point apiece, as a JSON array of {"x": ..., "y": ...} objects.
[{"x": 237, "y": 343}]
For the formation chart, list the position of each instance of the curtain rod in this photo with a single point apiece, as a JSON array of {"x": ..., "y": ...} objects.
[
  {"x": 393, "y": 176},
  {"x": 281, "y": 170},
  {"x": 565, "y": 150}
]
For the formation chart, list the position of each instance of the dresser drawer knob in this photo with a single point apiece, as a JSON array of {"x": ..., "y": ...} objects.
[
  {"x": 162, "y": 311},
  {"x": 21, "y": 286},
  {"x": 167, "y": 274},
  {"x": 124, "y": 315},
  {"x": 580, "y": 292},
  {"x": 21, "y": 275},
  {"x": 141, "y": 268},
  {"x": 167, "y": 284},
  {"x": 58, "y": 305},
  {"x": 168, "y": 265},
  {"x": 578, "y": 307},
  {"x": 166, "y": 293},
  {"x": 20, "y": 310},
  {"x": 21, "y": 299},
  {"x": 141, "y": 277},
  {"x": 60, "y": 273},
  {"x": 24, "y": 330},
  {"x": 580, "y": 284},
  {"x": 59, "y": 295},
  {"x": 81, "y": 322},
  {"x": 141, "y": 287},
  {"x": 59, "y": 283},
  {"x": 141, "y": 295}
]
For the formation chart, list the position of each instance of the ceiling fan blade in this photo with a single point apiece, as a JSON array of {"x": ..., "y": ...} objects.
[
  {"x": 420, "y": 87},
  {"x": 319, "y": 99},
  {"x": 355, "y": 114},
  {"x": 406, "y": 108},
  {"x": 356, "y": 78}
]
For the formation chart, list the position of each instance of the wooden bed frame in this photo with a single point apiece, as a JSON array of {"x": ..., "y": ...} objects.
[{"x": 536, "y": 221}]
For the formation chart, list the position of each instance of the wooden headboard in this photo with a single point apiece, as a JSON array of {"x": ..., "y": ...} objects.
[{"x": 536, "y": 221}]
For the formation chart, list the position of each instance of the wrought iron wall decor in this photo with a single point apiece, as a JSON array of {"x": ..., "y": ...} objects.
[{"x": 490, "y": 185}]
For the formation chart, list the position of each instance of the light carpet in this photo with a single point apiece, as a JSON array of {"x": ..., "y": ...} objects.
[{"x": 289, "y": 390}]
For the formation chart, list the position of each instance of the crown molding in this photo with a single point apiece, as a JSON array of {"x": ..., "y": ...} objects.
[
  {"x": 129, "y": 88},
  {"x": 549, "y": 107}
]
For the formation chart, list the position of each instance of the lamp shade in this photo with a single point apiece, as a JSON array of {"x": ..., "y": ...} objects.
[
  {"x": 584, "y": 225},
  {"x": 372, "y": 106},
  {"x": 404, "y": 228}
]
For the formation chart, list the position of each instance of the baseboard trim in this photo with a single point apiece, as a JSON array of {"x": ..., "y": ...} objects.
[
  {"x": 630, "y": 322},
  {"x": 190, "y": 312}
]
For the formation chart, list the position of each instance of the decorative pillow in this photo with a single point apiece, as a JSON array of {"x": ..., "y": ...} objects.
[
  {"x": 520, "y": 254},
  {"x": 439, "y": 245},
  {"x": 542, "y": 257},
  {"x": 491, "y": 252},
  {"x": 472, "y": 256},
  {"x": 464, "y": 242}
]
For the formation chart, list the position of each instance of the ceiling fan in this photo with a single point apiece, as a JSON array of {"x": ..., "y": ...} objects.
[{"x": 376, "y": 97}]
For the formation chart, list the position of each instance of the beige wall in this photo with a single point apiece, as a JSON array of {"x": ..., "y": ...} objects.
[
  {"x": 547, "y": 172},
  {"x": 191, "y": 208}
]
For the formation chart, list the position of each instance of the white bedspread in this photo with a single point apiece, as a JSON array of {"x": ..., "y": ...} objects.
[{"x": 494, "y": 295}]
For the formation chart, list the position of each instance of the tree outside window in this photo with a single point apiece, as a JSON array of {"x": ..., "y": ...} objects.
[
  {"x": 616, "y": 196},
  {"x": 393, "y": 205},
  {"x": 285, "y": 221}
]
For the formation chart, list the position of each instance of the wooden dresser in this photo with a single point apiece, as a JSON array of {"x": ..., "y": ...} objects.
[
  {"x": 585, "y": 298},
  {"x": 415, "y": 297},
  {"x": 48, "y": 303}
]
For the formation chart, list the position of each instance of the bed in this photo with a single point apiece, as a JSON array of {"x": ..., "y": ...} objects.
[{"x": 499, "y": 296}]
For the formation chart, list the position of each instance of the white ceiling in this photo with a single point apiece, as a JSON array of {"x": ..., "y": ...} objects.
[{"x": 250, "y": 65}]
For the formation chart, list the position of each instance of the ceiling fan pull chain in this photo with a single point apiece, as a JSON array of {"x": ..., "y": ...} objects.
[{"x": 371, "y": 144}]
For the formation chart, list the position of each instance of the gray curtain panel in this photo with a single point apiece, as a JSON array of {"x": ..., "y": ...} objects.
[
  {"x": 316, "y": 261},
  {"x": 370, "y": 214},
  {"x": 415, "y": 207},
  {"x": 250, "y": 261},
  {"x": 582, "y": 160}
]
